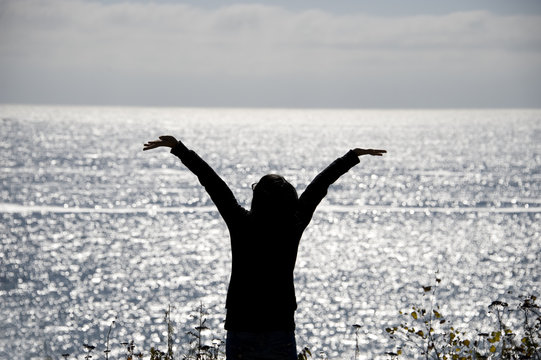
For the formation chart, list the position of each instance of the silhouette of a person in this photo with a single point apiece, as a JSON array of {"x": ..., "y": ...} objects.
[{"x": 264, "y": 241}]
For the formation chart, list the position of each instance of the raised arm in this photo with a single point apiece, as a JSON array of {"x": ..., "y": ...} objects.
[
  {"x": 218, "y": 190},
  {"x": 317, "y": 189}
]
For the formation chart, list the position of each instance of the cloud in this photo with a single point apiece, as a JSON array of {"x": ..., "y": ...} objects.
[{"x": 259, "y": 42}]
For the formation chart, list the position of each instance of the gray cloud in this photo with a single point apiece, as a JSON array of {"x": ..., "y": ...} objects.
[{"x": 264, "y": 55}]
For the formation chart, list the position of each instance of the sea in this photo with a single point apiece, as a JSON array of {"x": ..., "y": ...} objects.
[{"x": 99, "y": 240}]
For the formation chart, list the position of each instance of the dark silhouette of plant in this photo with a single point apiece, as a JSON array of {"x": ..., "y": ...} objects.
[
  {"x": 156, "y": 354},
  {"x": 428, "y": 333},
  {"x": 170, "y": 332},
  {"x": 130, "y": 351},
  {"x": 304, "y": 354},
  {"x": 200, "y": 351},
  {"x": 532, "y": 327},
  {"x": 504, "y": 343},
  {"x": 89, "y": 348},
  {"x": 357, "y": 350},
  {"x": 107, "y": 350}
]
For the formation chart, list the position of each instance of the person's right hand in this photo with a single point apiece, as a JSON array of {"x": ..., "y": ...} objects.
[
  {"x": 165, "y": 140},
  {"x": 373, "y": 152}
]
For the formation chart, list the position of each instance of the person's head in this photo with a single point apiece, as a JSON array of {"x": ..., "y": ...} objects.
[{"x": 274, "y": 197}]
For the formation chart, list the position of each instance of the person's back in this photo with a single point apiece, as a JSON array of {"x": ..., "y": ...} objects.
[
  {"x": 264, "y": 242},
  {"x": 261, "y": 295}
]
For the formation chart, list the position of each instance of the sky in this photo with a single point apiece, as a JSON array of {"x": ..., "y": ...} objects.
[{"x": 300, "y": 54}]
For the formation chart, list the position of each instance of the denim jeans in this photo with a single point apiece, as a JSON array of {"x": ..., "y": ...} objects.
[{"x": 268, "y": 345}]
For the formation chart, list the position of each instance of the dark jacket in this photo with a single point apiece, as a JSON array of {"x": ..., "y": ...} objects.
[{"x": 261, "y": 293}]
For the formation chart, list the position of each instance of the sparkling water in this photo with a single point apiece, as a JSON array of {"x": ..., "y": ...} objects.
[{"x": 93, "y": 229}]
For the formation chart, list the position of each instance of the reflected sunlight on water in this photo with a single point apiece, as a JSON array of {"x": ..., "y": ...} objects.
[{"x": 94, "y": 229}]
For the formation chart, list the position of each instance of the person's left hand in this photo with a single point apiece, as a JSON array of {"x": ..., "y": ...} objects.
[{"x": 165, "y": 140}]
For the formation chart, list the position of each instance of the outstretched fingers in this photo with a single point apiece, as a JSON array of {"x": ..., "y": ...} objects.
[
  {"x": 164, "y": 140},
  {"x": 375, "y": 152},
  {"x": 152, "y": 144}
]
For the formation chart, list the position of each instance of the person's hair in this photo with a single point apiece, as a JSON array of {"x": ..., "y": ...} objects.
[{"x": 274, "y": 198}]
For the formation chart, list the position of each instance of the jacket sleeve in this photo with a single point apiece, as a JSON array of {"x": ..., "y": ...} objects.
[
  {"x": 218, "y": 190},
  {"x": 317, "y": 189}
]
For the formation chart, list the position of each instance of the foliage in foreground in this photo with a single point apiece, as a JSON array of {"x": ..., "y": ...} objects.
[
  {"x": 197, "y": 349},
  {"x": 425, "y": 332}
]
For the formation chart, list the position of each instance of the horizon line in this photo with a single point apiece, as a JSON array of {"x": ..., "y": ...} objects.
[{"x": 248, "y": 107}]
